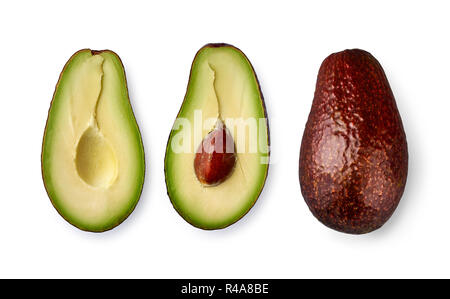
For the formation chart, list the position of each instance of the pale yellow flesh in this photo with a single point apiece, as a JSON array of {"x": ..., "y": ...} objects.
[
  {"x": 93, "y": 159},
  {"x": 224, "y": 86}
]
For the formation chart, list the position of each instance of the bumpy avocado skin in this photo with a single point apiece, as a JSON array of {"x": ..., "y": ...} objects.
[{"x": 353, "y": 157}]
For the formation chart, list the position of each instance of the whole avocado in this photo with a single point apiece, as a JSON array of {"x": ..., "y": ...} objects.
[{"x": 354, "y": 156}]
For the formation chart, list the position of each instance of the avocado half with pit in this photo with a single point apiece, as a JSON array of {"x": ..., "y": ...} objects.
[
  {"x": 217, "y": 155},
  {"x": 92, "y": 154}
]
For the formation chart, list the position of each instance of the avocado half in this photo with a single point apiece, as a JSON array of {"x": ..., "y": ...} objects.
[
  {"x": 92, "y": 154},
  {"x": 222, "y": 88}
]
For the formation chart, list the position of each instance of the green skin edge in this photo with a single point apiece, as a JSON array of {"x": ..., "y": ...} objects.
[
  {"x": 49, "y": 189},
  {"x": 190, "y": 220}
]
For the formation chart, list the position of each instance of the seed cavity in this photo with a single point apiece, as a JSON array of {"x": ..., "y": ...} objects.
[{"x": 95, "y": 160}]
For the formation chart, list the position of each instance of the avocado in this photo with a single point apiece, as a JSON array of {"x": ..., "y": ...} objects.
[
  {"x": 92, "y": 153},
  {"x": 217, "y": 154},
  {"x": 354, "y": 156}
]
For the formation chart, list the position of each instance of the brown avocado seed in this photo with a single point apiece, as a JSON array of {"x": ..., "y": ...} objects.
[{"x": 215, "y": 157}]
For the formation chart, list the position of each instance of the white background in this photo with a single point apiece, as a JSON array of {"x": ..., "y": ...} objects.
[{"x": 286, "y": 42}]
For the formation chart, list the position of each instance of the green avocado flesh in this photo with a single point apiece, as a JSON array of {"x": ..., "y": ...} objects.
[
  {"x": 92, "y": 155},
  {"x": 222, "y": 86}
]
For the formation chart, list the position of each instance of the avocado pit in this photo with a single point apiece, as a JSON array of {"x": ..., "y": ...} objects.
[{"x": 215, "y": 157}]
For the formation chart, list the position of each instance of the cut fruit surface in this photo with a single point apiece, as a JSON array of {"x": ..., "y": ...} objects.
[
  {"x": 92, "y": 156},
  {"x": 95, "y": 159},
  {"x": 222, "y": 88}
]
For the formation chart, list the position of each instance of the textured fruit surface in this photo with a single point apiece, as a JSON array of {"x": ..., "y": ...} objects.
[
  {"x": 353, "y": 157},
  {"x": 92, "y": 154}
]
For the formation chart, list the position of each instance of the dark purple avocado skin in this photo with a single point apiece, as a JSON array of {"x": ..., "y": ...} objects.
[{"x": 354, "y": 156}]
